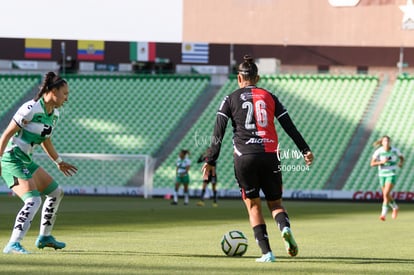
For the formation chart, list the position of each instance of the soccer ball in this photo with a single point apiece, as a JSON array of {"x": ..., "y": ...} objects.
[{"x": 234, "y": 243}]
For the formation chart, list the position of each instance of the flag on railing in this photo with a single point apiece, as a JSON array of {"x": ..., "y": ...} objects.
[
  {"x": 142, "y": 51},
  {"x": 92, "y": 50},
  {"x": 194, "y": 52},
  {"x": 38, "y": 48}
]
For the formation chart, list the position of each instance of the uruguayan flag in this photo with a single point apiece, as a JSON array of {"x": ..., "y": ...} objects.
[{"x": 194, "y": 52}]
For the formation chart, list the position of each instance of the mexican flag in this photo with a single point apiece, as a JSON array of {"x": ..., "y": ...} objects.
[{"x": 142, "y": 51}]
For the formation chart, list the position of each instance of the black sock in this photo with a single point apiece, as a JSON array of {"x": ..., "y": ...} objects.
[
  {"x": 282, "y": 220},
  {"x": 203, "y": 192},
  {"x": 260, "y": 234},
  {"x": 215, "y": 196}
]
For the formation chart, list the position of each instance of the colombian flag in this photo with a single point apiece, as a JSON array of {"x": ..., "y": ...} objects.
[
  {"x": 91, "y": 50},
  {"x": 38, "y": 48}
]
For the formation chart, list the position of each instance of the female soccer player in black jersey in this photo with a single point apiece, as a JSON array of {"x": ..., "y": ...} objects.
[{"x": 252, "y": 111}]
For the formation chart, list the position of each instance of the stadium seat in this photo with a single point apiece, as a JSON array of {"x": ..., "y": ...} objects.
[{"x": 14, "y": 87}]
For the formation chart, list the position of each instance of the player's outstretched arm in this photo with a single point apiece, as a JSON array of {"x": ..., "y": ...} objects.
[
  {"x": 66, "y": 168},
  {"x": 290, "y": 128},
  {"x": 401, "y": 162}
]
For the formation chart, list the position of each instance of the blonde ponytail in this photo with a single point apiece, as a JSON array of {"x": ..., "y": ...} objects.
[{"x": 378, "y": 142}]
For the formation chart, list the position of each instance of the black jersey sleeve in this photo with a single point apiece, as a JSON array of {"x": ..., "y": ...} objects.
[
  {"x": 287, "y": 124},
  {"x": 201, "y": 158},
  {"x": 222, "y": 117},
  {"x": 279, "y": 108},
  {"x": 290, "y": 128}
]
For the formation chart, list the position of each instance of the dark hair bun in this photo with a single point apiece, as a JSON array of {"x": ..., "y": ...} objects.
[
  {"x": 248, "y": 58},
  {"x": 50, "y": 75}
]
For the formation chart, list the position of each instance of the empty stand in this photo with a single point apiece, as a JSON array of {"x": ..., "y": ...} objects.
[
  {"x": 14, "y": 88},
  {"x": 124, "y": 114}
]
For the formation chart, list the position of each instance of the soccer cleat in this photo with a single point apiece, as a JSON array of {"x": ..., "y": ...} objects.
[
  {"x": 174, "y": 203},
  {"x": 200, "y": 203},
  {"x": 394, "y": 213},
  {"x": 215, "y": 204},
  {"x": 49, "y": 241},
  {"x": 290, "y": 244},
  {"x": 266, "y": 258},
  {"x": 15, "y": 248},
  {"x": 382, "y": 218}
]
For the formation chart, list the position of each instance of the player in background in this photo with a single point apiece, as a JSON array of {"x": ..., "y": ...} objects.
[
  {"x": 252, "y": 111},
  {"x": 211, "y": 177},
  {"x": 33, "y": 125},
  {"x": 182, "y": 176},
  {"x": 387, "y": 158}
]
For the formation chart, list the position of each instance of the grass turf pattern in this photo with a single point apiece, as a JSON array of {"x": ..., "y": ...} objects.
[{"x": 124, "y": 235}]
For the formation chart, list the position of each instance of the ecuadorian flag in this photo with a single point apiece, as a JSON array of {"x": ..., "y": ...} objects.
[
  {"x": 91, "y": 50},
  {"x": 38, "y": 48}
]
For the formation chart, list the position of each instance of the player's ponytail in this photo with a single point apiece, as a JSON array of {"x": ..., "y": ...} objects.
[
  {"x": 378, "y": 142},
  {"x": 50, "y": 81},
  {"x": 248, "y": 69}
]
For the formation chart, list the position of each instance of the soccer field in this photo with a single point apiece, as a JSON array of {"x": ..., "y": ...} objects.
[{"x": 124, "y": 235}]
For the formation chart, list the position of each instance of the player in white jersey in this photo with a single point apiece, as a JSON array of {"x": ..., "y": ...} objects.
[
  {"x": 33, "y": 125},
  {"x": 387, "y": 158},
  {"x": 182, "y": 176}
]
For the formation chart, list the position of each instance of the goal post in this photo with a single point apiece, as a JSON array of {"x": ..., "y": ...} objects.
[{"x": 112, "y": 174}]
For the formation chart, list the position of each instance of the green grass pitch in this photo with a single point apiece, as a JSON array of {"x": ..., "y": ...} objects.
[{"x": 124, "y": 235}]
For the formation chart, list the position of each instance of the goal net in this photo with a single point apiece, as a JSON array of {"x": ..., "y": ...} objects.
[{"x": 100, "y": 174}]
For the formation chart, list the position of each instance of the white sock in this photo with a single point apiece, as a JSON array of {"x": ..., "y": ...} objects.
[
  {"x": 175, "y": 196},
  {"x": 24, "y": 218},
  {"x": 50, "y": 207},
  {"x": 393, "y": 205},
  {"x": 384, "y": 210},
  {"x": 186, "y": 197}
]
